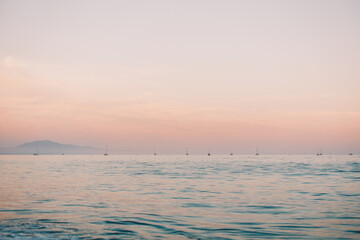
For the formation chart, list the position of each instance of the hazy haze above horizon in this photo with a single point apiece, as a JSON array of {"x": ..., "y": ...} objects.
[{"x": 166, "y": 75}]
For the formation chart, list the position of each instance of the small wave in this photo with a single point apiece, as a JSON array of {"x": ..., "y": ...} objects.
[
  {"x": 197, "y": 205},
  {"x": 259, "y": 233},
  {"x": 162, "y": 228},
  {"x": 119, "y": 231},
  {"x": 53, "y": 221},
  {"x": 319, "y": 194},
  {"x": 245, "y": 223},
  {"x": 297, "y": 226},
  {"x": 264, "y": 207}
]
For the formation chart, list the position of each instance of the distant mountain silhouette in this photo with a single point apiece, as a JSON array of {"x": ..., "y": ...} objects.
[{"x": 50, "y": 147}]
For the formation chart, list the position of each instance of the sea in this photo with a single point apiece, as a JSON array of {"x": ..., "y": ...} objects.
[{"x": 180, "y": 197}]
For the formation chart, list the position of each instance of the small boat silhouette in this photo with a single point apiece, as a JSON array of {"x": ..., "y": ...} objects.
[
  {"x": 106, "y": 153},
  {"x": 36, "y": 153}
]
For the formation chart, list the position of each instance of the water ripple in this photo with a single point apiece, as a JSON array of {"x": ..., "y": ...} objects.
[{"x": 180, "y": 197}]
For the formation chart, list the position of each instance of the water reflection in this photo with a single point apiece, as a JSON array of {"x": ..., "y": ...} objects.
[{"x": 179, "y": 197}]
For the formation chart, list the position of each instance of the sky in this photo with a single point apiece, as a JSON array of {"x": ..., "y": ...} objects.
[{"x": 283, "y": 76}]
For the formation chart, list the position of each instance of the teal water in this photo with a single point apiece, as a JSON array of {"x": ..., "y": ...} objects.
[{"x": 180, "y": 197}]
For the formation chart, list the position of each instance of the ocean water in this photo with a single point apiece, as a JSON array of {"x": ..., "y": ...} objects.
[{"x": 180, "y": 197}]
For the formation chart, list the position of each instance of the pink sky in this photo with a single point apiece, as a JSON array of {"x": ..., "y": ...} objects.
[{"x": 139, "y": 75}]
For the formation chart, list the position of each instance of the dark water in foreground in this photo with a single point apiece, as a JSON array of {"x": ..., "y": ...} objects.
[{"x": 180, "y": 197}]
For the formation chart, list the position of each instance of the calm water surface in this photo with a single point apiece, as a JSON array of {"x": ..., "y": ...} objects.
[{"x": 180, "y": 197}]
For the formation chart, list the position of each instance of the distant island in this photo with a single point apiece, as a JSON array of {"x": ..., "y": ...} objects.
[{"x": 48, "y": 147}]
